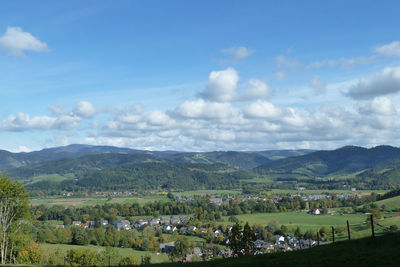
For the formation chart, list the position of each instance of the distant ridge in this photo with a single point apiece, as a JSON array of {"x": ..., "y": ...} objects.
[{"x": 348, "y": 159}]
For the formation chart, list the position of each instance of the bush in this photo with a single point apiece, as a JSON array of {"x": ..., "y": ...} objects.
[{"x": 129, "y": 260}]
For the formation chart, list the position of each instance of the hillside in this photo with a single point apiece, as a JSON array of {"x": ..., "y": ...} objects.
[
  {"x": 9, "y": 160},
  {"x": 241, "y": 160},
  {"x": 79, "y": 166},
  {"x": 153, "y": 175},
  {"x": 346, "y": 160},
  {"x": 380, "y": 251}
]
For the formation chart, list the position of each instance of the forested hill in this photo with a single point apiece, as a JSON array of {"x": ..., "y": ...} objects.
[
  {"x": 154, "y": 175},
  {"x": 349, "y": 159},
  {"x": 237, "y": 159}
]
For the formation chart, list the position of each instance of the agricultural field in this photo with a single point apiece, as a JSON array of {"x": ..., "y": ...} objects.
[
  {"x": 122, "y": 252},
  {"x": 89, "y": 201},
  {"x": 291, "y": 191},
  {"x": 302, "y": 219},
  {"x": 207, "y": 192}
]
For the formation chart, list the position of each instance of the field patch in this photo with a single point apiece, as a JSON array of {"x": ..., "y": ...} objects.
[{"x": 122, "y": 252}]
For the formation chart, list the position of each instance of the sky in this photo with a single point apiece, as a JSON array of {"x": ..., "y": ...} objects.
[{"x": 199, "y": 75}]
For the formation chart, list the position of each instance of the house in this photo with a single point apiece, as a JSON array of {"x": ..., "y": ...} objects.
[
  {"x": 314, "y": 211},
  {"x": 184, "y": 219},
  {"x": 191, "y": 229},
  {"x": 279, "y": 239},
  {"x": 140, "y": 223},
  {"x": 166, "y": 228},
  {"x": 216, "y": 201},
  {"x": 154, "y": 221},
  {"x": 175, "y": 220},
  {"x": 183, "y": 230},
  {"x": 76, "y": 223},
  {"x": 122, "y": 224},
  {"x": 165, "y": 220},
  {"x": 85, "y": 225},
  {"x": 217, "y": 233},
  {"x": 104, "y": 222},
  {"x": 167, "y": 247}
]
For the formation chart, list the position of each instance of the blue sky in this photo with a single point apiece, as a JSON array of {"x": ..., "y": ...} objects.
[{"x": 204, "y": 75}]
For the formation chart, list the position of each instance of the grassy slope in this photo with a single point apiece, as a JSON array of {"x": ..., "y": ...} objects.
[
  {"x": 390, "y": 203},
  {"x": 381, "y": 251}
]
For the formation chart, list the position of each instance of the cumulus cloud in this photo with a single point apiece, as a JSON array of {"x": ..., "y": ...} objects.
[
  {"x": 85, "y": 109},
  {"x": 238, "y": 53},
  {"x": 379, "y": 105},
  {"x": 221, "y": 85},
  {"x": 204, "y": 109},
  {"x": 24, "y": 122},
  {"x": 384, "y": 83},
  {"x": 256, "y": 89},
  {"x": 392, "y": 49},
  {"x": 15, "y": 42},
  {"x": 262, "y": 109},
  {"x": 318, "y": 85}
]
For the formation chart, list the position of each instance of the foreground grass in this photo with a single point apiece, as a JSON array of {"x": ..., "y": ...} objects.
[
  {"x": 380, "y": 251},
  {"x": 122, "y": 252}
]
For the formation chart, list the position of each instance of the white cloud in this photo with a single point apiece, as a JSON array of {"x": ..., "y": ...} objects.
[
  {"x": 204, "y": 109},
  {"x": 284, "y": 62},
  {"x": 84, "y": 109},
  {"x": 384, "y": 83},
  {"x": 256, "y": 89},
  {"x": 262, "y": 109},
  {"x": 379, "y": 105},
  {"x": 24, "y": 122},
  {"x": 15, "y": 42},
  {"x": 221, "y": 85},
  {"x": 392, "y": 49},
  {"x": 345, "y": 63},
  {"x": 238, "y": 53},
  {"x": 318, "y": 85}
]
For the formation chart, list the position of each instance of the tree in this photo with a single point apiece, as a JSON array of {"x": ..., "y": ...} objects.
[
  {"x": 247, "y": 239},
  {"x": 181, "y": 247},
  {"x": 79, "y": 236},
  {"x": 235, "y": 239},
  {"x": 297, "y": 233},
  {"x": 14, "y": 209}
]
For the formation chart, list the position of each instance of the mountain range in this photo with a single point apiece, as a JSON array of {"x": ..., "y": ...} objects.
[{"x": 106, "y": 167}]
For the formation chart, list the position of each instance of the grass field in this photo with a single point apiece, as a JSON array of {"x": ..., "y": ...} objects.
[
  {"x": 207, "y": 192},
  {"x": 289, "y": 191},
  {"x": 47, "y": 177},
  {"x": 122, "y": 252},
  {"x": 301, "y": 219},
  {"x": 79, "y": 202},
  {"x": 390, "y": 203}
]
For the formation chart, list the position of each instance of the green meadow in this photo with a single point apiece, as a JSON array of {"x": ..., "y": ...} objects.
[{"x": 121, "y": 252}]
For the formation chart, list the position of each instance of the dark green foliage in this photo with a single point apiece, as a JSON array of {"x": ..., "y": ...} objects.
[
  {"x": 380, "y": 251},
  {"x": 156, "y": 175}
]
